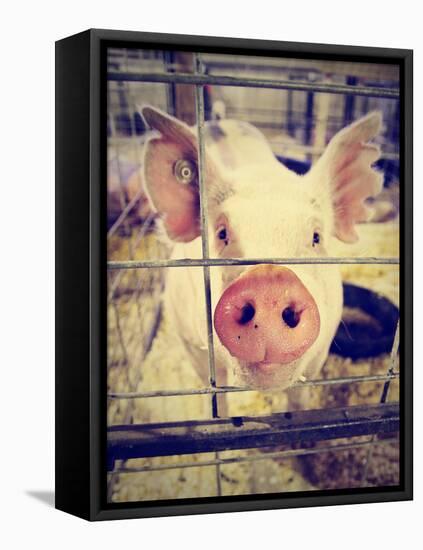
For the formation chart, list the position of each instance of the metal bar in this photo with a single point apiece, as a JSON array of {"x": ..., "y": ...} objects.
[
  {"x": 117, "y": 145},
  {"x": 124, "y": 203},
  {"x": 168, "y": 439},
  {"x": 148, "y": 341},
  {"x": 198, "y": 262},
  {"x": 149, "y": 337},
  {"x": 122, "y": 194},
  {"x": 200, "y": 79},
  {"x": 234, "y": 389},
  {"x": 393, "y": 366},
  {"x": 349, "y": 103},
  {"x": 126, "y": 318},
  {"x": 215, "y": 61},
  {"x": 290, "y": 453},
  {"x": 308, "y": 116},
  {"x": 199, "y": 105},
  {"x": 393, "y": 363},
  {"x": 267, "y": 65},
  {"x": 124, "y": 219},
  {"x": 115, "y": 283}
]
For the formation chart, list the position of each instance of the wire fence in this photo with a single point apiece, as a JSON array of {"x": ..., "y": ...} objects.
[{"x": 376, "y": 420}]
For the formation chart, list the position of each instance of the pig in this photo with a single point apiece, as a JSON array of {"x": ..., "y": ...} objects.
[{"x": 272, "y": 324}]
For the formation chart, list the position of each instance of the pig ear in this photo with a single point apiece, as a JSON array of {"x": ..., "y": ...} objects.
[
  {"x": 175, "y": 200},
  {"x": 347, "y": 165}
]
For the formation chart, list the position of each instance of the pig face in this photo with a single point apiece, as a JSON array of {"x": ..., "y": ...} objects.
[{"x": 271, "y": 321}]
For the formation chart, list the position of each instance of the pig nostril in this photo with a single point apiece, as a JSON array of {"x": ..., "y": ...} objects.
[
  {"x": 247, "y": 313},
  {"x": 291, "y": 317}
]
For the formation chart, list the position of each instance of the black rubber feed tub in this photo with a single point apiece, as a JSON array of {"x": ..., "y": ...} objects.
[{"x": 368, "y": 324}]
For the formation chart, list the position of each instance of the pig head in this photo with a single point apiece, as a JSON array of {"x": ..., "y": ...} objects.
[{"x": 273, "y": 324}]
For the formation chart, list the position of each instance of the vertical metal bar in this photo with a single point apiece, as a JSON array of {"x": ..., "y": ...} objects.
[
  {"x": 199, "y": 106},
  {"x": 137, "y": 283},
  {"x": 349, "y": 102},
  {"x": 123, "y": 203},
  {"x": 169, "y": 62},
  {"x": 392, "y": 367},
  {"x": 115, "y": 283},
  {"x": 199, "y": 101},
  {"x": 395, "y": 128},
  {"x": 393, "y": 363},
  {"x": 133, "y": 137},
  {"x": 289, "y": 114},
  {"x": 309, "y": 118},
  {"x": 122, "y": 194},
  {"x": 322, "y": 107}
]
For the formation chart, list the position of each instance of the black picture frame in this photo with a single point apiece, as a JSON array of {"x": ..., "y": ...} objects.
[{"x": 81, "y": 275}]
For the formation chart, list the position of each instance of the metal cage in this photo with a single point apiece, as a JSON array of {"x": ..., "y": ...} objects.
[{"x": 296, "y": 431}]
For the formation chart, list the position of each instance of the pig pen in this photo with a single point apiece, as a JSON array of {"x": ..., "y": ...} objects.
[{"x": 152, "y": 383}]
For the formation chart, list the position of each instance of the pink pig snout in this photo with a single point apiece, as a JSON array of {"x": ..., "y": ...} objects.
[{"x": 267, "y": 316}]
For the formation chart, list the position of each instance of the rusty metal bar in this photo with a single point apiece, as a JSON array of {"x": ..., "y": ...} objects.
[
  {"x": 201, "y": 79},
  {"x": 176, "y": 438},
  {"x": 290, "y": 453},
  {"x": 198, "y": 262},
  {"x": 234, "y": 389}
]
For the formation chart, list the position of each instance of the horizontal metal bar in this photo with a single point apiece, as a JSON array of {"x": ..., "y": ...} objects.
[
  {"x": 362, "y": 70},
  {"x": 189, "y": 262},
  {"x": 185, "y": 78},
  {"x": 177, "y": 438},
  {"x": 143, "y": 231},
  {"x": 235, "y": 389},
  {"x": 290, "y": 453}
]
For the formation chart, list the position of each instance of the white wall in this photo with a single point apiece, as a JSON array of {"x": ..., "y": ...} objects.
[{"x": 27, "y": 300}]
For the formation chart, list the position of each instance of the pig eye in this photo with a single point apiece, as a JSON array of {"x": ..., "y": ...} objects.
[
  {"x": 316, "y": 238},
  {"x": 184, "y": 171},
  {"x": 222, "y": 234}
]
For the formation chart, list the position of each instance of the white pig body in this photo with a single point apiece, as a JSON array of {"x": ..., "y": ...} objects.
[{"x": 272, "y": 325}]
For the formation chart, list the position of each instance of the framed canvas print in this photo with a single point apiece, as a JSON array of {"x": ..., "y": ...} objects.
[{"x": 234, "y": 274}]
